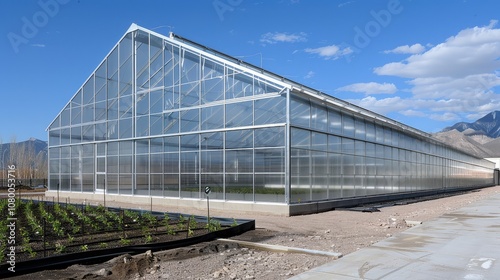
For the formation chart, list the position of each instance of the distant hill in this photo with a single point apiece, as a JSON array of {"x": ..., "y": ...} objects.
[
  {"x": 38, "y": 147},
  {"x": 480, "y": 138},
  {"x": 488, "y": 125}
]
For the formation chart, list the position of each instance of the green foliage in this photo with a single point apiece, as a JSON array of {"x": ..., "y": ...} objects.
[
  {"x": 60, "y": 248},
  {"x": 84, "y": 247},
  {"x": 213, "y": 225}
]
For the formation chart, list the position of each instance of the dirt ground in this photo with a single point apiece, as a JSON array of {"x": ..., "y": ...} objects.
[{"x": 339, "y": 231}]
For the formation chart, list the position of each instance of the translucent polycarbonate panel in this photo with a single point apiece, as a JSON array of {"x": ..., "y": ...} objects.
[
  {"x": 156, "y": 101},
  {"x": 171, "y": 185},
  {"x": 76, "y": 115},
  {"x": 171, "y": 163},
  {"x": 212, "y": 117},
  {"x": 171, "y": 144},
  {"x": 76, "y": 101},
  {"x": 212, "y": 161},
  {"x": 238, "y": 84},
  {"x": 111, "y": 183},
  {"x": 54, "y": 153},
  {"x": 88, "y": 91},
  {"x": 171, "y": 98},
  {"x": 216, "y": 184},
  {"x": 171, "y": 123},
  {"x": 334, "y": 144},
  {"x": 156, "y": 145},
  {"x": 239, "y": 114},
  {"x": 142, "y": 163},
  {"x": 269, "y": 137},
  {"x": 125, "y": 107},
  {"x": 190, "y": 162},
  {"x": 171, "y": 58},
  {"x": 87, "y": 183},
  {"x": 125, "y": 128},
  {"x": 76, "y": 184},
  {"x": 65, "y": 136},
  {"x": 239, "y": 187},
  {"x": 112, "y": 164},
  {"x": 270, "y": 188},
  {"x": 156, "y": 124},
  {"x": 300, "y": 111},
  {"x": 100, "y": 111},
  {"x": 262, "y": 86},
  {"x": 76, "y": 134},
  {"x": 348, "y": 125},
  {"x": 112, "y": 148},
  {"x": 239, "y": 139},
  {"x": 112, "y": 85},
  {"x": 126, "y": 164},
  {"x": 65, "y": 183},
  {"x": 319, "y": 117},
  {"x": 100, "y": 83},
  {"x": 190, "y": 186},
  {"x": 190, "y": 67},
  {"x": 156, "y": 163},
  {"x": 142, "y": 184},
  {"x": 66, "y": 116},
  {"x": 212, "y": 141},
  {"x": 190, "y": 142},
  {"x": 142, "y": 60},
  {"x": 270, "y": 110},
  {"x": 370, "y": 131},
  {"x": 359, "y": 129},
  {"x": 142, "y": 103},
  {"x": 88, "y": 113},
  {"x": 269, "y": 160},
  {"x": 239, "y": 161},
  {"x": 300, "y": 138},
  {"x": 125, "y": 181},
  {"x": 379, "y": 133},
  {"x": 156, "y": 184},
  {"x": 359, "y": 148},
  {"x": 125, "y": 85},
  {"x": 334, "y": 121},
  {"x": 142, "y": 126},
  {"x": 101, "y": 131},
  {"x": 156, "y": 61},
  {"x": 347, "y": 146},
  {"x": 319, "y": 141},
  {"x": 190, "y": 94},
  {"x": 212, "y": 85},
  {"x": 190, "y": 120}
]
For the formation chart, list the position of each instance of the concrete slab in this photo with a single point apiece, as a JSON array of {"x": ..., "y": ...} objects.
[{"x": 464, "y": 244}]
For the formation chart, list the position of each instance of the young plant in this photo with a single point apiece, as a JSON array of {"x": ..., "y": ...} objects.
[
  {"x": 84, "y": 247},
  {"x": 60, "y": 248}
]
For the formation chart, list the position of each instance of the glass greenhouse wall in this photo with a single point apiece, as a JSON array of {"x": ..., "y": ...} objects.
[{"x": 165, "y": 117}]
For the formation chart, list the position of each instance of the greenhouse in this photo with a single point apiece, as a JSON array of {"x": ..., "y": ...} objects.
[{"x": 163, "y": 117}]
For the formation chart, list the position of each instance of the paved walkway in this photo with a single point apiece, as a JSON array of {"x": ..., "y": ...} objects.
[{"x": 464, "y": 244}]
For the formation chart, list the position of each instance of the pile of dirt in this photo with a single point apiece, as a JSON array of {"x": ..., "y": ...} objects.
[{"x": 335, "y": 231}]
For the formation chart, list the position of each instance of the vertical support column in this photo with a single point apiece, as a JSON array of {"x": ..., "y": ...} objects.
[{"x": 287, "y": 150}]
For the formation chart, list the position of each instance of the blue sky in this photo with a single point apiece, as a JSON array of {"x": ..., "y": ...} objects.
[{"x": 427, "y": 64}]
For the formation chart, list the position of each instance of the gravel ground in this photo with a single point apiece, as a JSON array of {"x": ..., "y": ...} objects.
[{"x": 339, "y": 231}]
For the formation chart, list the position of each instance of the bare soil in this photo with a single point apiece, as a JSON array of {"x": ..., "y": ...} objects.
[{"x": 339, "y": 231}]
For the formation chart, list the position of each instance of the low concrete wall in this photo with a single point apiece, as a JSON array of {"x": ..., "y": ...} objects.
[{"x": 145, "y": 202}]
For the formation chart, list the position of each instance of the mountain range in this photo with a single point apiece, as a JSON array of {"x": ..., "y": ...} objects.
[
  {"x": 480, "y": 138},
  {"x": 36, "y": 146}
]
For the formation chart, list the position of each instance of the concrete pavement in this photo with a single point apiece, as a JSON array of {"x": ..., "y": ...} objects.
[{"x": 464, "y": 244}]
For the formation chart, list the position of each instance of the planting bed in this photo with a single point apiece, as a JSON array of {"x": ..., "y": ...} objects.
[{"x": 45, "y": 229}]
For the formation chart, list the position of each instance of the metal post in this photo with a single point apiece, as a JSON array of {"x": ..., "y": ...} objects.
[{"x": 104, "y": 193}]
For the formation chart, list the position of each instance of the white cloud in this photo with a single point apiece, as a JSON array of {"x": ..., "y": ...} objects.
[
  {"x": 279, "y": 37},
  {"x": 381, "y": 106},
  {"x": 472, "y": 51},
  {"x": 330, "y": 52},
  {"x": 406, "y": 49},
  {"x": 370, "y": 88},
  {"x": 38, "y": 45},
  {"x": 309, "y": 75},
  {"x": 452, "y": 80}
]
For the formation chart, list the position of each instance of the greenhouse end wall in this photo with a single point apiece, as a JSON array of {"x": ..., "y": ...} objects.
[{"x": 162, "y": 117}]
